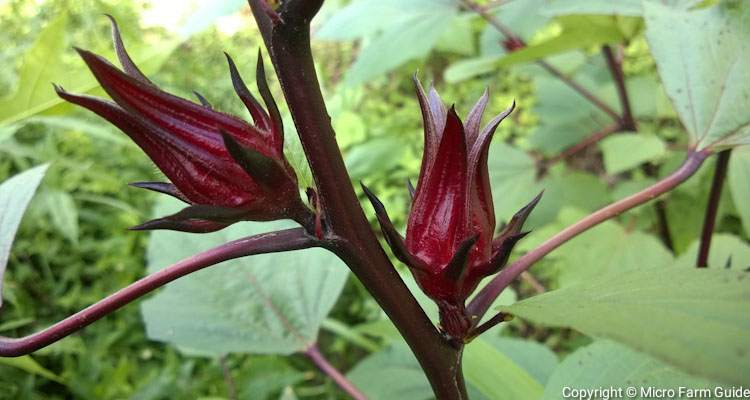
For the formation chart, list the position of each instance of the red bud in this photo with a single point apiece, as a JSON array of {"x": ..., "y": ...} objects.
[{"x": 225, "y": 168}]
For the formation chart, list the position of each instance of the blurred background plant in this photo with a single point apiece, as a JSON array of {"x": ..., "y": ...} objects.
[{"x": 73, "y": 248}]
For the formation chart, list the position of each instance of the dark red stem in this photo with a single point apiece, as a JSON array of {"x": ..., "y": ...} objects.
[
  {"x": 288, "y": 42},
  {"x": 291, "y": 239},
  {"x": 627, "y": 121},
  {"x": 714, "y": 197},
  {"x": 482, "y": 301},
  {"x": 314, "y": 354}
]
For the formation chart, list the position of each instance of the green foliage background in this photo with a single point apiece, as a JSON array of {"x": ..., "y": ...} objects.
[{"x": 73, "y": 248}]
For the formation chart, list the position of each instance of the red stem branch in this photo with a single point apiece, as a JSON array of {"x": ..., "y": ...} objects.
[
  {"x": 314, "y": 354},
  {"x": 627, "y": 121},
  {"x": 482, "y": 301},
  {"x": 286, "y": 240},
  {"x": 714, "y": 197}
]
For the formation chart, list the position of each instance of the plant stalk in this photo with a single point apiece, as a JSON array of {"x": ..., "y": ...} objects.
[
  {"x": 286, "y": 32},
  {"x": 627, "y": 121},
  {"x": 712, "y": 208},
  {"x": 482, "y": 301},
  {"x": 314, "y": 354},
  {"x": 274, "y": 242}
]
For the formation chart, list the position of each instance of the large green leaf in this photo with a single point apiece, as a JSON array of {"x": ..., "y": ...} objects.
[
  {"x": 495, "y": 368},
  {"x": 605, "y": 364},
  {"x": 391, "y": 374},
  {"x": 626, "y": 151},
  {"x": 394, "y": 32},
  {"x": 514, "y": 184},
  {"x": 577, "y": 32},
  {"x": 566, "y": 117},
  {"x": 630, "y": 8},
  {"x": 727, "y": 251},
  {"x": 739, "y": 184},
  {"x": 43, "y": 64},
  {"x": 270, "y": 304},
  {"x": 695, "y": 319},
  {"x": 701, "y": 56},
  {"x": 582, "y": 258},
  {"x": 15, "y": 195},
  {"x": 602, "y": 7},
  {"x": 467, "y": 69},
  {"x": 496, "y": 375},
  {"x": 524, "y": 18}
]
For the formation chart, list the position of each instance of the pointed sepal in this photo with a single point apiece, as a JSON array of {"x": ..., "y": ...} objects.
[
  {"x": 502, "y": 253},
  {"x": 263, "y": 169},
  {"x": 162, "y": 187},
  {"x": 122, "y": 54},
  {"x": 273, "y": 109},
  {"x": 202, "y": 100},
  {"x": 515, "y": 224},
  {"x": 260, "y": 117},
  {"x": 458, "y": 266},
  {"x": 392, "y": 236}
]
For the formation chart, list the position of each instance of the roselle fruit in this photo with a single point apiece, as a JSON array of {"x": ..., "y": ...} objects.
[
  {"x": 226, "y": 169},
  {"x": 449, "y": 245}
]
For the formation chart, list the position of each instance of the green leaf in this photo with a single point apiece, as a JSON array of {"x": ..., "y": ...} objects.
[
  {"x": 458, "y": 37},
  {"x": 271, "y": 304},
  {"x": 606, "y": 364},
  {"x": 15, "y": 195},
  {"x": 567, "y": 118},
  {"x": 496, "y": 375},
  {"x": 624, "y": 250},
  {"x": 62, "y": 211},
  {"x": 44, "y": 64},
  {"x": 694, "y": 319},
  {"x": 391, "y": 374},
  {"x": 350, "y": 129},
  {"x": 628, "y": 150},
  {"x": 726, "y": 251},
  {"x": 592, "y": 7},
  {"x": 701, "y": 58},
  {"x": 7, "y": 132},
  {"x": 206, "y": 15},
  {"x": 30, "y": 365},
  {"x": 739, "y": 184},
  {"x": 514, "y": 184},
  {"x": 495, "y": 368},
  {"x": 40, "y": 67},
  {"x": 413, "y": 39},
  {"x": 522, "y": 17},
  {"x": 360, "y": 19},
  {"x": 96, "y": 131},
  {"x": 467, "y": 69},
  {"x": 537, "y": 359},
  {"x": 394, "y": 33},
  {"x": 377, "y": 155},
  {"x": 577, "y": 32}
]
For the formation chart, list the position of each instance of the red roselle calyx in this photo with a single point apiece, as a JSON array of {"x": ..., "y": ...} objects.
[
  {"x": 449, "y": 245},
  {"x": 225, "y": 168}
]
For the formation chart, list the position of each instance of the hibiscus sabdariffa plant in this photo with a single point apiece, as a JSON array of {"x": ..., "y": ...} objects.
[
  {"x": 449, "y": 245},
  {"x": 228, "y": 170}
]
